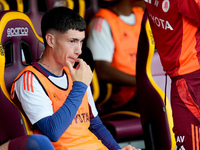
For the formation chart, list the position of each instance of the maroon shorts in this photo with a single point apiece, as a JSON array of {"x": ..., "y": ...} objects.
[{"x": 185, "y": 101}]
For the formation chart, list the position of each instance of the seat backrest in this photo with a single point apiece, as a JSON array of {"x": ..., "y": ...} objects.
[
  {"x": 4, "y": 5},
  {"x": 35, "y": 9},
  {"x": 156, "y": 114},
  {"x": 77, "y": 5},
  {"x": 20, "y": 45},
  {"x": 16, "y": 5}
]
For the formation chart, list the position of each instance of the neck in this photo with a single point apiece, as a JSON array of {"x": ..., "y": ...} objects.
[
  {"x": 50, "y": 67},
  {"x": 44, "y": 65},
  {"x": 123, "y": 8}
]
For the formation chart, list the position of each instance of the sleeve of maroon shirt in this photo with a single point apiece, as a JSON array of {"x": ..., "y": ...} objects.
[{"x": 190, "y": 9}]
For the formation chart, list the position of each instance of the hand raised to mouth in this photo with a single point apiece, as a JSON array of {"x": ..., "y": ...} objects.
[{"x": 82, "y": 72}]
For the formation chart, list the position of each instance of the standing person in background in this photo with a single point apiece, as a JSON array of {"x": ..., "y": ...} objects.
[
  {"x": 175, "y": 26},
  {"x": 57, "y": 98},
  {"x": 113, "y": 36}
]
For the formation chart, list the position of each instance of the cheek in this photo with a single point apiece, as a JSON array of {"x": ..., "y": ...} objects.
[{"x": 64, "y": 51}]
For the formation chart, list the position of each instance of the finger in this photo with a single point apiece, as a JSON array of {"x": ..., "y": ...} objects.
[
  {"x": 78, "y": 66},
  {"x": 129, "y": 147},
  {"x": 69, "y": 65},
  {"x": 79, "y": 62},
  {"x": 79, "y": 59},
  {"x": 82, "y": 63}
]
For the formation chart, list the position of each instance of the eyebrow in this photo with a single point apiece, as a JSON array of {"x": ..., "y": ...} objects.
[{"x": 76, "y": 39}]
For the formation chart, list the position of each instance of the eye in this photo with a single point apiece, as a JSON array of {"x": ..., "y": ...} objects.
[{"x": 72, "y": 41}]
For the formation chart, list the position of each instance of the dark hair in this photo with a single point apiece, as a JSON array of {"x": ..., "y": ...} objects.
[{"x": 61, "y": 19}]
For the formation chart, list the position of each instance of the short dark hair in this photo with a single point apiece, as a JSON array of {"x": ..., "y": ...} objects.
[{"x": 61, "y": 19}]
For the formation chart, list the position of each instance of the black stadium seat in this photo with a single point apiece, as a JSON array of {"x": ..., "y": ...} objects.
[{"x": 156, "y": 113}]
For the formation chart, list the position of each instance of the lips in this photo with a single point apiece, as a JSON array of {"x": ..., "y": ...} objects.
[{"x": 72, "y": 60}]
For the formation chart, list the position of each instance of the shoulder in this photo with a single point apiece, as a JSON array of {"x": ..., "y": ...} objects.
[
  {"x": 27, "y": 82},
  {"x": 98, "y": 23}
]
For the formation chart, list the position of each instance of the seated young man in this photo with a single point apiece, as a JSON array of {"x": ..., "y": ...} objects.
[{"x": 56, "y": 97}]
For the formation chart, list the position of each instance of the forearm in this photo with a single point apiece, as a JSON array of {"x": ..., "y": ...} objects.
[
  {"x": 54, "y": 126},
  {"x": 103, "y": 134},
  {"x": 107, "y": 73}
]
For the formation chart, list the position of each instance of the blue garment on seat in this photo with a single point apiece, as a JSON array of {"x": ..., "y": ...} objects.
[{"x": 39, "y": 142}]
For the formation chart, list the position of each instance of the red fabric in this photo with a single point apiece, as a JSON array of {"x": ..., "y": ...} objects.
[
  {"x": 187, "y": 98},
  {"x": 19, "y": 143},
  {"x": 190, "y": 9},
  {"x": 175, "y": 34},
  {"x": 185, "y": 101}
]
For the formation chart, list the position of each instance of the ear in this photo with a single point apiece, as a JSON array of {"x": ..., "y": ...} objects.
[{"x": 50, "y": 39}]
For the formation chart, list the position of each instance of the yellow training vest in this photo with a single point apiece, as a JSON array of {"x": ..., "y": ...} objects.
[
  {"x": 77, "y": 136},
  {"x": 125, "y": 39}
]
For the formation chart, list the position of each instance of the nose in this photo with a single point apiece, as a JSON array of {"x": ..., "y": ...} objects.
[{"x": 79, "y": 48}]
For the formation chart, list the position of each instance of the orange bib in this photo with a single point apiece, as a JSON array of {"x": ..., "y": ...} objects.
[
  {"x": 126, "y": 39},
  {"x": 77, "y": 136}
]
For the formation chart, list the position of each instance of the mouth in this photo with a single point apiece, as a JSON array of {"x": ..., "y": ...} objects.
[{"x": 72, "y": 60}]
